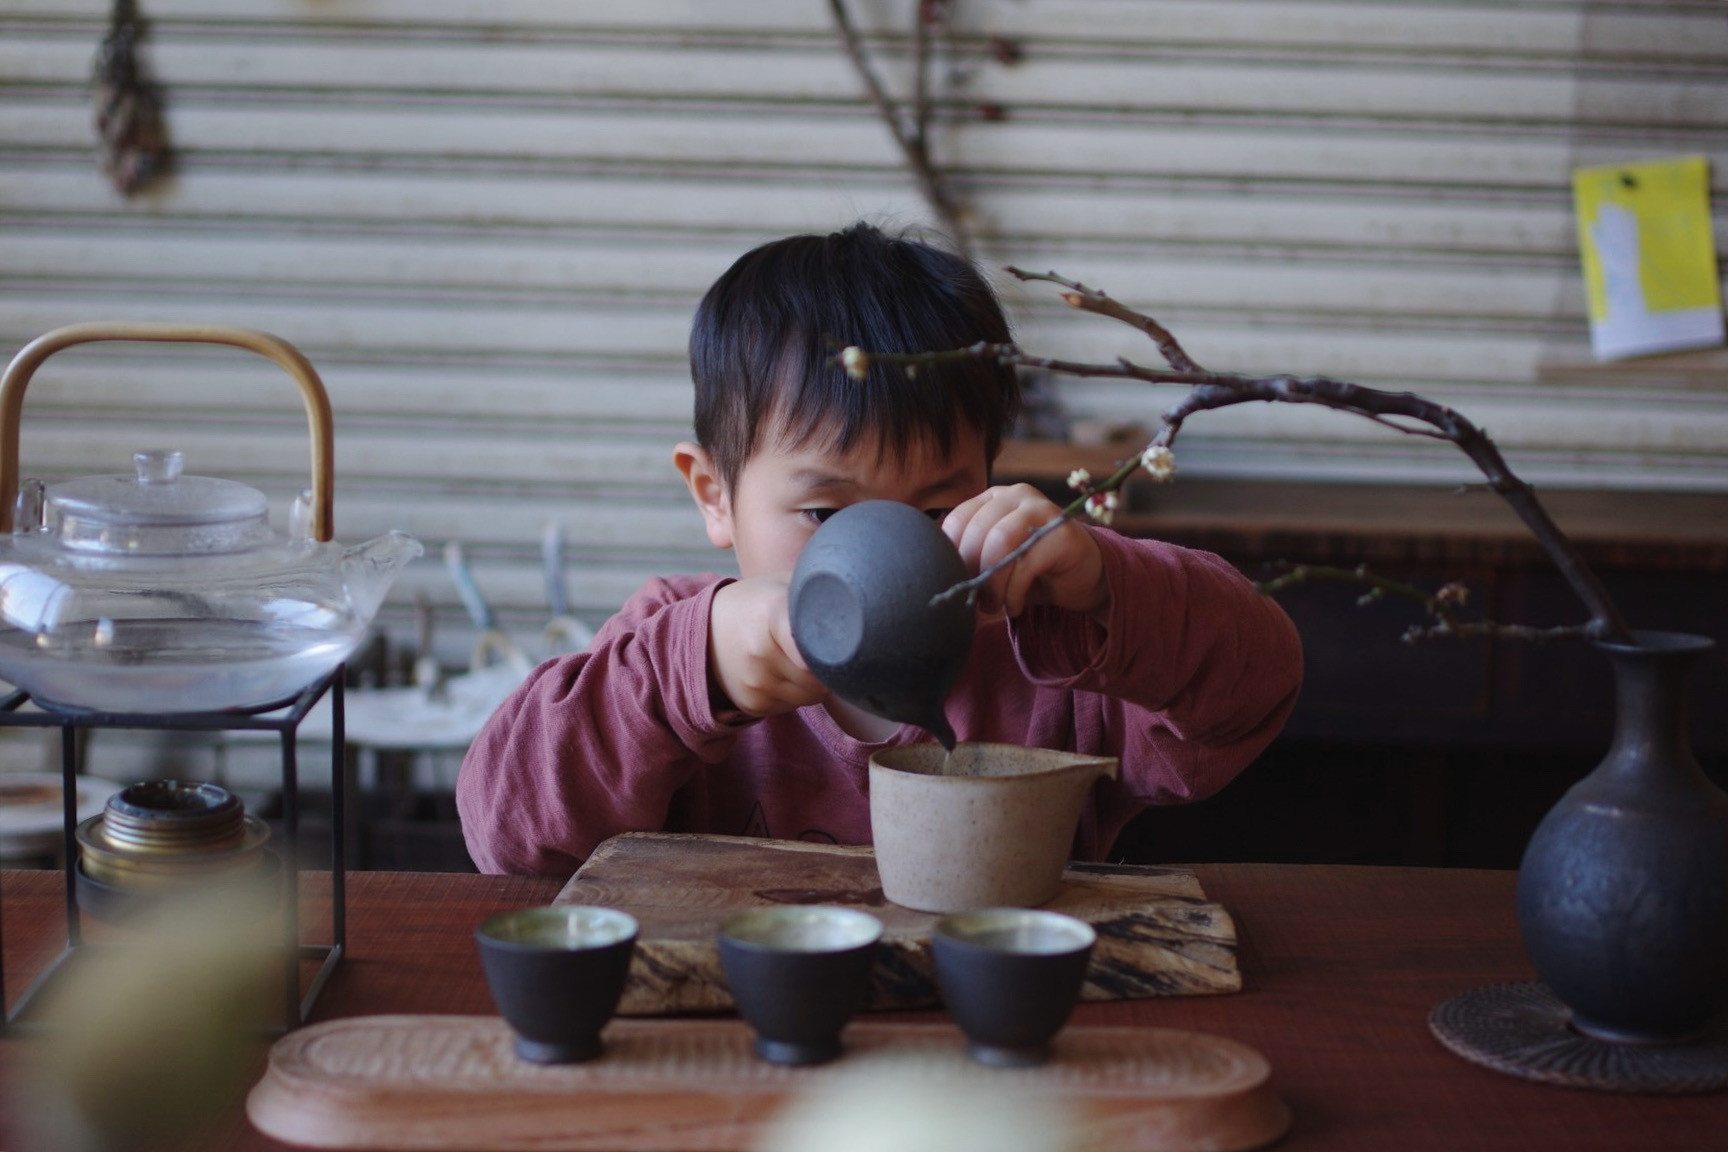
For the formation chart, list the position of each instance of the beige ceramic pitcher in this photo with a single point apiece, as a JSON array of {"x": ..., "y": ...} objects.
[{"x": 994, "y": 828}]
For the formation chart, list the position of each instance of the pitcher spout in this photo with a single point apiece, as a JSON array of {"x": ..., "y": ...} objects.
[{"x": 369, "y": 569}]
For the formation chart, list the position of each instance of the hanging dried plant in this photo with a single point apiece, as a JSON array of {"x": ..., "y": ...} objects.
[{"x": 130, "y": 128}]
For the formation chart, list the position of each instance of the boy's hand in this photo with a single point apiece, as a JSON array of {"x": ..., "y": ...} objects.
[
  {"x": 751, "y": 655},
  {"x": 1063, "y": 569}
]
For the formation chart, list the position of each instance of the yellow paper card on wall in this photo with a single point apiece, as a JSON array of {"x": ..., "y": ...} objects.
[{"x": 1649, "y": 257}]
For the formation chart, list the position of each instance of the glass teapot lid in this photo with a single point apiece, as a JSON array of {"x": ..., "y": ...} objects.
[{"x": 156, "y": 512}]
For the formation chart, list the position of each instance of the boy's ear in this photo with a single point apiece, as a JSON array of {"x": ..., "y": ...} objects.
[{"x": 703, "y": 479}]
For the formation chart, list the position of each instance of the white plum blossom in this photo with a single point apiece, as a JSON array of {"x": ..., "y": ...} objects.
[
  {"x": 1159, "y": 462},
  {"x": 1101, "y": 506},
  {"x": 856, "y": 361},
  {"x": 1079, "y": 479}
]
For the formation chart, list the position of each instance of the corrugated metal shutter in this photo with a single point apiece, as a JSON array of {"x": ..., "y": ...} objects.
[{"x": 488, "y": 221}]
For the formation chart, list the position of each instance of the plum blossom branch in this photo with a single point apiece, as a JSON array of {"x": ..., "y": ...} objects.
[
  {"x": 1078, "y": 295},
  {"x": 1404, "y": 412},
  {"x": 1439, "y": 604},
  {"x": 910, "y": 128}
]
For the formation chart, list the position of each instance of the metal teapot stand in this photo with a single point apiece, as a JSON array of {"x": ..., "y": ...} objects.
[{"x": 296, "y": 1004}]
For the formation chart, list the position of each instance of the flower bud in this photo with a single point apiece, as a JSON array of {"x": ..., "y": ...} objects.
[
  {"x": 1159, "y": 462},
  {"x": 1452, "y": 593},
  {"x": 1101, "y": 506},
  {"x": 856, "y": 361}
]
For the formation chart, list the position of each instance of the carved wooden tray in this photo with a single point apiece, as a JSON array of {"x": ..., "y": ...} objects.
[
  {"x": 1158, "y": 935},
  {"x": 453, "y": 1082}
]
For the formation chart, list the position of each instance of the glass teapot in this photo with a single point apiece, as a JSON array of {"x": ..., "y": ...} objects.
[{"x": 164, "y": 592}]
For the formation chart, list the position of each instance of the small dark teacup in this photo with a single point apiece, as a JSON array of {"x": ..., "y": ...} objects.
[
  {"x": 1010, "y": 977},
  {"x": 556, "y": 975},
  {"x": 798, "y": 973}
]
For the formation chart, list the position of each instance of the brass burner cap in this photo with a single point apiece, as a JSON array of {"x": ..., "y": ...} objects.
[{"x": 172, "y": 816}]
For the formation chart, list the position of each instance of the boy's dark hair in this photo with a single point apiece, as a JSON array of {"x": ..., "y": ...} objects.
[{"x": 766, "y": 335}]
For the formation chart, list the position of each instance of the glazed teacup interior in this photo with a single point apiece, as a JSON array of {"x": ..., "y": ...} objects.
[
  {"x": 803, "y": 928},
  {"x": 560, "y": 928},
  {"x": 1019, "y": 931}
]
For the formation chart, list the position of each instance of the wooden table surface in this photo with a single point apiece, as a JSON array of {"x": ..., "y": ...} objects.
[{"x": 1340, "y": 964}]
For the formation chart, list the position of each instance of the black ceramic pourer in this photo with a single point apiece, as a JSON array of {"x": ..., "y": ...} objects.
[
  {"x": 798, "y": 973},
  {"x": 1009, "y": 977},
  {"x": 862, "y": 616},
  {"x": 556, "y": 975}
]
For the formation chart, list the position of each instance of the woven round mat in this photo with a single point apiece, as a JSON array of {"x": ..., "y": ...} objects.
[{"x": 1524, "y": 1030}]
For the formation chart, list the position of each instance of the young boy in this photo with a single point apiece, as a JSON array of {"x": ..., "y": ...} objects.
[{"x": 692, "y": 710}]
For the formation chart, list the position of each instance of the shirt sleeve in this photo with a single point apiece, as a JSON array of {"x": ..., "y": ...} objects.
[
  {"x": 596, "y": 743},
  {"x": 1197, "y": 669}
]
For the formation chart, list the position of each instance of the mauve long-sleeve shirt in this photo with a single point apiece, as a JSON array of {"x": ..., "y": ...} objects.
[{"x": 1193, "y": 673}]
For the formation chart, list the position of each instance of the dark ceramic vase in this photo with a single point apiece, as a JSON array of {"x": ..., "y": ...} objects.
[
  {"x": 1623, "y": 892},
  {"x": 862, "y": 617}
]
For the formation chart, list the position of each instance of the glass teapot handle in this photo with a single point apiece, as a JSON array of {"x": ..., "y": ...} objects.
[{"x": 30, "y": 357}]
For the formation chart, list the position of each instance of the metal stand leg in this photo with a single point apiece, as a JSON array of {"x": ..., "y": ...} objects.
[
  {"x": 290, "y": 882},
  {"x": 69, "y": 806},
  {"x": 296, "y": 1010}
]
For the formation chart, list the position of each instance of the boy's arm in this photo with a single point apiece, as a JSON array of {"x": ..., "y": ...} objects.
[
  {"x": 596, "y": 743},
  {"x": 1208, "y": 666}
]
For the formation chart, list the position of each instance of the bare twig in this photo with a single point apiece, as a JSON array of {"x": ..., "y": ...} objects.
[
  {"x": 911, "y": 135},
  {"x": 930, "y": 13},
  {"x": 1438, "y": 604},
  {"x": 1080, "y": 296},
  {"x": 1378, "y": 586},
  {"x": 1488, "y": 628},
  {"x": 1404, "y": 412}
]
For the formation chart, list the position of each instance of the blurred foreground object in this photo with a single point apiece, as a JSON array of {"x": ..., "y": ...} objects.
[
  {"x": 900, "y": 1106},
  {"x": 149, "y": 1039}
]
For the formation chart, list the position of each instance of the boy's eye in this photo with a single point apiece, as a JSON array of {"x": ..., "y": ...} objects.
[{"x": 819, "y": 515}]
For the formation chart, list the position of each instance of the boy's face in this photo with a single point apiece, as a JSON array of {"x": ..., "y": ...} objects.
[{"x": 783, "y": 494}]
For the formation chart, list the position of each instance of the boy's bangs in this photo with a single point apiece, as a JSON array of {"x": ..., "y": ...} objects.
[{"x": 899, "y": 408}]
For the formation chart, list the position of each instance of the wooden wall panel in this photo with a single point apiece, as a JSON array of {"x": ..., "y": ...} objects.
[{"x": 488, "y": 222}]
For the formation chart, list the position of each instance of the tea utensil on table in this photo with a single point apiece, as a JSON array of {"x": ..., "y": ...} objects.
[
  {"x": 555, "y": 974},
  {"x": 987, "y": 825},
  {"x": 1009, "y": 977},
  {"x": 162, "y": 591},
  {"x": 438, "y": 711},
  {"x": 798, "y": 973}
]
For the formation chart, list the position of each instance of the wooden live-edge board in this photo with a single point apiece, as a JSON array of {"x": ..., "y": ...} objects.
[
  {"x": 453, "y": 1082},
  {"x": 1158, "y": 935}
]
